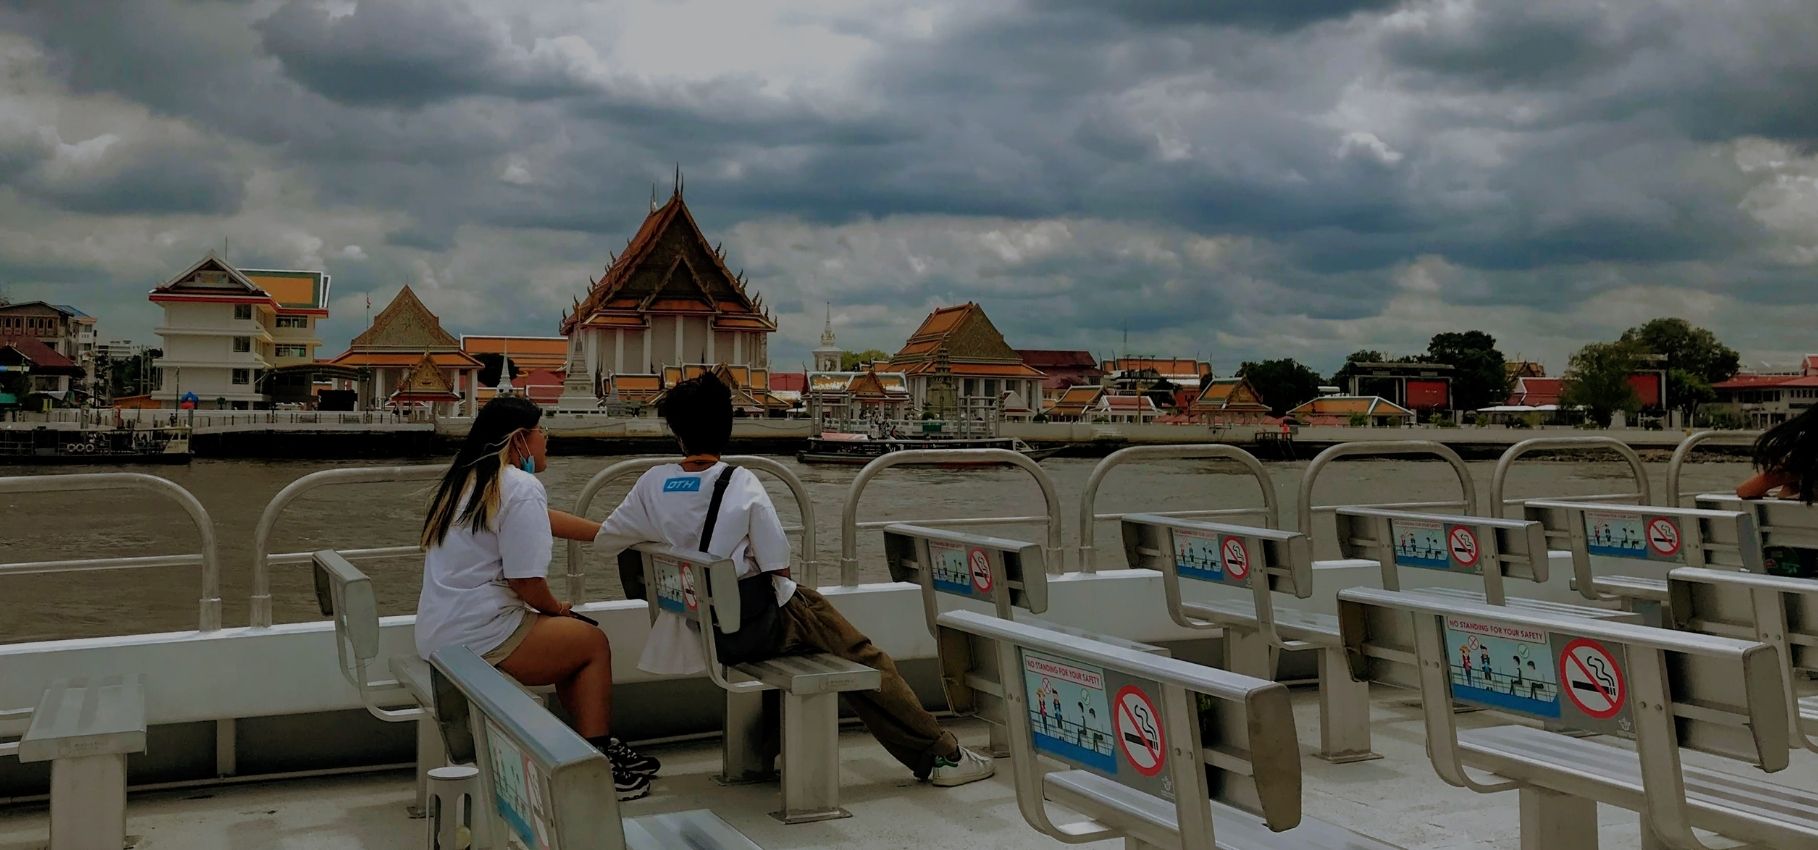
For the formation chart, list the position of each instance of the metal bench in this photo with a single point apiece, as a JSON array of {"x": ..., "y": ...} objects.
[
  {"x": 1663, "y": 690},
  {"x": 549, "y": 788},
  {"x": 1781, "y": 522},
  {"x": 1003, "y": 573},
  {"x": 687, "y": 583},
  {"x": 1237, "y": 557},
  {"x": 1776, "y": 610},
  {"x": 1691, "y": 537},
  {"x": 85, "y": 728},
  {"x": 1164, "y": 753}
]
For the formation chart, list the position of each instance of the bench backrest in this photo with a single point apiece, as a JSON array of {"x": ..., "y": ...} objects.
[
  {"x": 1776, "y": 610},
  {"x": 1676, "y": 536},
  {"x": 1495, "y": 549},
  {"x": 549, "y": 786},
  {"x": 1002, "y": 572},
  {"x": 1782, "y": 522},
  {"x": 345, "y": 593},
  {"x": 1261, "y": 560},
  {"x": 1663, "y": 689},
  {"x": 1155, "y": 725},
  {"x": 699, "y": 587}
]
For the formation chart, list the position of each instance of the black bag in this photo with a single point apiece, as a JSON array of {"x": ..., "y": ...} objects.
[{"x": 760, "y": 633}]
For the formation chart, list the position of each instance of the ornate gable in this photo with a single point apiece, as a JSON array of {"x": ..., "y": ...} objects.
[
  {"x": 406, "y": 324},
  {"x": 211, "y": 275},
  {"x": 425, "y": 382},
  {"x": 670, "y": 267}
]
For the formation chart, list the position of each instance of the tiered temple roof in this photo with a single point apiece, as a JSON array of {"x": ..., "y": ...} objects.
[
  {"x": 404, "y": 334},
  {"x": 1229, "y": 396},
  {"x": 960, "y": 341},
  {"x": 750, "y": 387},
  {"x": 669, "y": 267},
  {"x": 425, "y": 382}
]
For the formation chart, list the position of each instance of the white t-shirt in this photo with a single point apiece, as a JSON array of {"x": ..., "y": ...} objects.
[
  {"x": 669, "y": 505},
  {"x": 465, "y": 599}
]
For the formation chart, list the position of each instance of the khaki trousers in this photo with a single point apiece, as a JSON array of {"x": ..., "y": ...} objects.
[{"x": 892, "y": 713}]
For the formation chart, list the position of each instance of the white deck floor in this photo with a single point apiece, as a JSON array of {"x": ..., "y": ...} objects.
[{"x": 1397, "y": 799}]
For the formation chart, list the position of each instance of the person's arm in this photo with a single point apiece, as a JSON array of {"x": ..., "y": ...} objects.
[
  {"x": 628, "y": 526},
  {"x": 769, "y": 545},
  {"x": 570, "y": 527},
  {"x": 536, "y": 593},
  {"x": 1763, "y": 483}
]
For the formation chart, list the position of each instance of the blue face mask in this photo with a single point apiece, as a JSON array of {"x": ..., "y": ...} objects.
[{"x": 529, "y": 465}]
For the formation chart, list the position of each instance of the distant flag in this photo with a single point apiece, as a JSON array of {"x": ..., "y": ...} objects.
[{"x": 369, "y": 301}]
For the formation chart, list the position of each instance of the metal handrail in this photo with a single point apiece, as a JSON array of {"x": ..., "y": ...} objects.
[
  {"x": 268, "y": 520},
  {"x": 209, "y": 618},
  {"x": 1088, "y": 498},
  {"x": 1685, "y": 449},
  {"x": 577, "y": 556},
  {"x": 1507, "y": 461},
  {"x": 1384, "y": 447},
  {"x": 849, "y": 525}
]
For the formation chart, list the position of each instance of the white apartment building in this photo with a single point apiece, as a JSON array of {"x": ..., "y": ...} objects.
[{"x": 229, "y": 334}]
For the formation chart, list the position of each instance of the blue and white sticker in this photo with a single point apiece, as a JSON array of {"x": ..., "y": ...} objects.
[{"x": 683, "y": 484}]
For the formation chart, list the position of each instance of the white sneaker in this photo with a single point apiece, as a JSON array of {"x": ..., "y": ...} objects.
[{"x": 966, "y": 766}]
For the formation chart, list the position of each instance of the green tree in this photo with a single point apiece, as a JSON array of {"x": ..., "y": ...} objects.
[
  {"x": 1342, "y": 377},
  {"x": 1479, "y": 375},
  {"x": 1695, "y": 359},
  {"x": 1598, "y": 380},
  {"x": 851, "y": 360},
  {"x": 1283, "y": 384}
]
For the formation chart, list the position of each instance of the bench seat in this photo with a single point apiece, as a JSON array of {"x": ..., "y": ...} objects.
[
  {"x": 1234, "y": 829},
  {"x": 1631, "y": 587},
  {"x": 1309, "y": 627},
  {"x": 1538, "y": 606},
  {"x": 806, "y": 675},
  {"x": 77, "y": 718},
  {"x": 696, "y": 829},
  {"x": 1738, "y": 807}
]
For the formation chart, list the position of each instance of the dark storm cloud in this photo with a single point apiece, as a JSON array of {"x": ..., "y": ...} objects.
[{"x": 1554, "y": 151}]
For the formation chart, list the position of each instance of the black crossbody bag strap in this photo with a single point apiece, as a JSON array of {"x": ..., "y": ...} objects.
[{"x": 713, "y": 507}]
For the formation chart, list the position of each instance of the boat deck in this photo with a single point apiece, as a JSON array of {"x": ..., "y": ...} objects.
[{"x": 1397, "y": 799}]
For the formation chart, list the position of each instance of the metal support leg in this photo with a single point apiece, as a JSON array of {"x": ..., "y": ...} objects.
[
  {"x": 748, "y": 749},
  {"x": 1000, "y": 741},
  {"x": 88, "y": 803},
  {"x": 1247, "y": 653},
  {"x": 1553, "y": 821},
  {"x": 431, "y": 754},
  {"x": 811, "y": 759},
  {"x": 1344, "y": 711}
]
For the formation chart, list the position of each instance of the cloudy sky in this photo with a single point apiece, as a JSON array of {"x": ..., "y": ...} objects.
[{"x": 1237, "y": 179}]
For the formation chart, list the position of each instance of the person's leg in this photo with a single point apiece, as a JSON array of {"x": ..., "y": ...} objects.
[
  {"x": 576, "y": 658},
  {"x": 892, "y": 713}
]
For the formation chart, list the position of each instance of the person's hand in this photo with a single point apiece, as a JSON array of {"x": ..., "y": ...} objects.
[{"x": 562, "y": 609}]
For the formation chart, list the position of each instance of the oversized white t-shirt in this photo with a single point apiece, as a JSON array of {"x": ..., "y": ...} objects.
[
  {"x": 669, "y": 505},
  {"x": 465, "y": 599}
]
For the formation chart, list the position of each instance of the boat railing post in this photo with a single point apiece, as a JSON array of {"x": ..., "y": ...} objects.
[
  {"x": 260, "y": 601},
  {"x": 1679, "y": 498},
  {"x": 209, "y": 615},
  {"x": 1088, "y": 499},
  {"x": 1637, "y": 469},
  {"x": 1304, "y": 513},
  {"x": 1055, "y": 552}
]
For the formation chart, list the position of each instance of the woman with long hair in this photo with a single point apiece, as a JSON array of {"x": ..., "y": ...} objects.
[
  {"x": 1786, "y": 465},
  {"x": 489, "y": 538}
]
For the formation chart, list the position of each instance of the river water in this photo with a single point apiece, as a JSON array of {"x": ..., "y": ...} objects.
[{"x": 49, "y": 527}]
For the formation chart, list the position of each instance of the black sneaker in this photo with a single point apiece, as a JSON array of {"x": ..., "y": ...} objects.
[
  {"x": 630, "y": 786},
  {"x": 629, "y": 760}
]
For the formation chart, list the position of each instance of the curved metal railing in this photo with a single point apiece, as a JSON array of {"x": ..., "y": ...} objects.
[
  {"x": 1088, "y": 498},
  {"x": 209, "y": 618},
  {"x": 268, "y": 521},
  {"x": 1681, "y": 498},
  {"x": 577, "y": 554},
  {"x": 1306, "y": 508},
  {"x": 1499, "y": 481},
  {"x": 849, "y": 524}
]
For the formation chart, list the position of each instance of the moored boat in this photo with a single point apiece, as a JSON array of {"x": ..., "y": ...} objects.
[{"x": 52, "y": 446}]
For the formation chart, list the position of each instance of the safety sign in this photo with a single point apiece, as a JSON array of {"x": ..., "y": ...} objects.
[
  {"x": 949, "y": 569},
  {"x": 1462, "y": 542},
  {"x": 1615, "y": 535},
  {"x": 1663, "y": 537},
  {"x": 980, "y": 563},
  {"x": 1196, "y": 555},
  {"x": 1237, "y": 558},
  {"x": 1068, "y": 714},
  {"x": 1139, "y": 732},
  {"x": 1420, "y": 543},
  {"x": 675, "y": 585},
  {"x": 1501, "y": 666},
  {"x": 1593, "y": 680}
]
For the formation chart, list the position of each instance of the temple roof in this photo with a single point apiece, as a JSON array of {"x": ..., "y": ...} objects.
[
  {"x": 211, "y": 279},
  {"x": 670, "y": 267},
  {"x": 529, "y": 353},
  {"x": 1345, "y": 405},
  {"x": 425, "y": 382},
  {"x": 405, "y": 325},
  {"x": 750, "y": 387},
  {"x": 960, "y": 341},
  {"x": 1230, "y": 394}
]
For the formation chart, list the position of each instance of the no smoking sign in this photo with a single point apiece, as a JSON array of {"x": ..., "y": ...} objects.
[
  {"x": 1592, "y": 679},
  {"x": 1663, "y": 537},
  {"x": 980, "y": 565},
  {"x": 1462, "y": 542},
  {"x": 1137, "y": 727},
  {"x": 1236, "y": 557}
]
